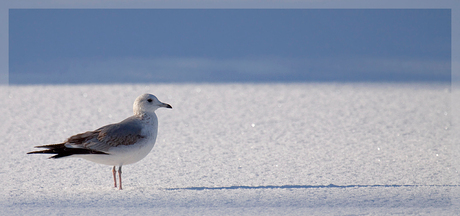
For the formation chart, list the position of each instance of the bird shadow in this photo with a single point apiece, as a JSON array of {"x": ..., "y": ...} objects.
[{"x": 304, "y": 187}]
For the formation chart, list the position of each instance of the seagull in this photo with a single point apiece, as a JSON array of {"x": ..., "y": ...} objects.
[{"x": 118, "y": 144}]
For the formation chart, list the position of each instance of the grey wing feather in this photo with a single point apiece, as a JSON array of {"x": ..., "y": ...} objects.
[
  {"x": 127, "y": 132},
  {"x": 123, "y": 133}
]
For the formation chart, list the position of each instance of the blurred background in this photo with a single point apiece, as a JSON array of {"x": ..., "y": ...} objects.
[{"x": 81, "y": 46}]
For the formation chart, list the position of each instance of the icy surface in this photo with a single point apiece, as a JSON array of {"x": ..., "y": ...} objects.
[{"x": 238, "y": 149}]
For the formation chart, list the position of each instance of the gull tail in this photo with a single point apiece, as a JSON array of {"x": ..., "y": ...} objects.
[{"x": 62, "y": 151}]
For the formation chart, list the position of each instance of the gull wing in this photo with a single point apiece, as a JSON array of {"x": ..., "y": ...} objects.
[{"x": 127, "y": 132}]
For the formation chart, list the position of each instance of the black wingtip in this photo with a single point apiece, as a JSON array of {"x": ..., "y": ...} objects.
[
  {"x": 62, "y": 151},
  {"x": 42, "y": 152}
]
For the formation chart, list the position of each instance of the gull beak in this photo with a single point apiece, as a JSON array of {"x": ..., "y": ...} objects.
[{"x": 165, "y": 105}]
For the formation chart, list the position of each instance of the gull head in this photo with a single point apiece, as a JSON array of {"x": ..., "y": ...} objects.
[{"x": 148, "y": 103}]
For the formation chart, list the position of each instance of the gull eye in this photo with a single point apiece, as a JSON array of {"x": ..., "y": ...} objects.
[{"x": 149, "y": 100}]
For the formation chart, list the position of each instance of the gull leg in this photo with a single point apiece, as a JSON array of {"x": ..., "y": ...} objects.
[
  {"x": 119, "y": 175},
  {"x": 114, "y": 171}
]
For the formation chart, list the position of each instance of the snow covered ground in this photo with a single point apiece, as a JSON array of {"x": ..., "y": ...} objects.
[{"x": 238, "y": 149}]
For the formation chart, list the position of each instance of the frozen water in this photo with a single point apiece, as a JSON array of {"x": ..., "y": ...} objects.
[{"x": 239, "y": 149}]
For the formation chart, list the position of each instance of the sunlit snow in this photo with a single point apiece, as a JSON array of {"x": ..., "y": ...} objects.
[{"x": 240, "y": 149}]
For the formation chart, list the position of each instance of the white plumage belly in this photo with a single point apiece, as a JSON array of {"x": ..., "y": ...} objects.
[{"x": 122, "y": 155}]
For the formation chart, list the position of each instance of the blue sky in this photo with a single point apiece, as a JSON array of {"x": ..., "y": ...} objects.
[{"x": 57, "y": 46}]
